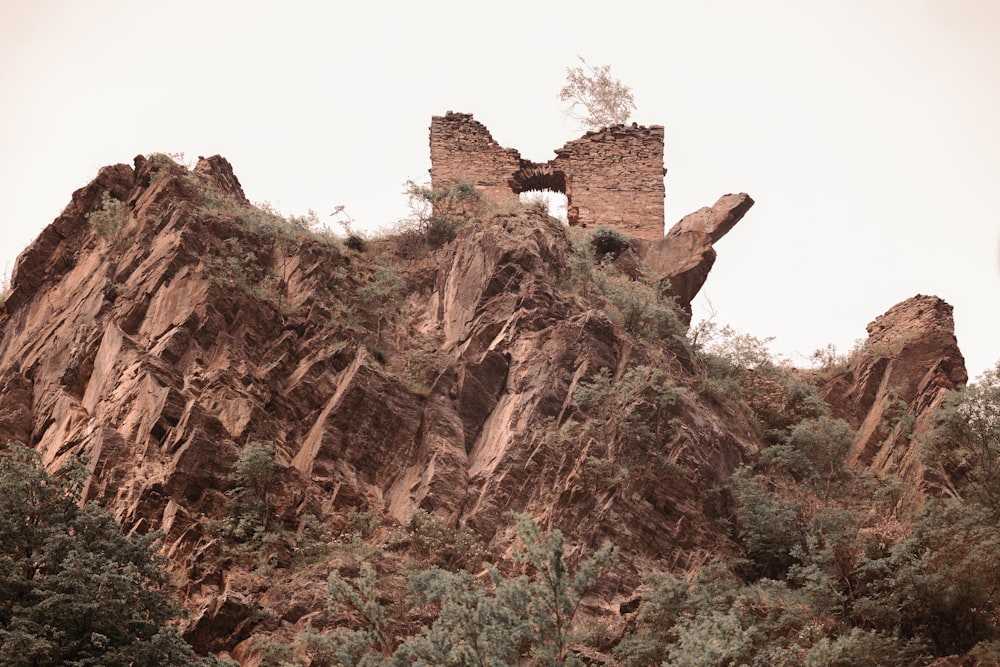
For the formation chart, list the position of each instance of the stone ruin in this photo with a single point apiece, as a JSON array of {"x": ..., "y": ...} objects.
[{"x": 611, "y": 177}]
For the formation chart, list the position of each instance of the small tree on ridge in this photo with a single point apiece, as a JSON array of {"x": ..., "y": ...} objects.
[{"x": 604, "y": 101}]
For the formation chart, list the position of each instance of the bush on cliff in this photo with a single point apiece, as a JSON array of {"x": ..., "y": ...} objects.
[
  {"x": 436, "y": 214},
  {"x": 248, "y": 516}
]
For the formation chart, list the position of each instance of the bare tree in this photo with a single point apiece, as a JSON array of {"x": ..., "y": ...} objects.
[{"x": 596, "y": 99}]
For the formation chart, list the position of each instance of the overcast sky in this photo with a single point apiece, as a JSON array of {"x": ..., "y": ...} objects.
[{"x": 868, "y": 131}]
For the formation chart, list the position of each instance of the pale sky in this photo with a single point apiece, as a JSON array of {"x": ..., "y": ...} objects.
[{"x": 868, "y": 131}]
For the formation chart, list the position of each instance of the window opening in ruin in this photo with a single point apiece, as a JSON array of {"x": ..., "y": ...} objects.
[{"x": 555, "y": 202}]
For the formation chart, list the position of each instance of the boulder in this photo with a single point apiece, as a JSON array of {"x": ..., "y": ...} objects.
[{"x": 683, "y": 258}]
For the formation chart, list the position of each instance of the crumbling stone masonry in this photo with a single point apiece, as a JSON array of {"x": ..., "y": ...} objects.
[{"x": 612, "y": 177}]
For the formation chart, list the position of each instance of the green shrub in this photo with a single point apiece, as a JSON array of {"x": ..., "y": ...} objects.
[
  {"x": 362, "y": 522},
  {"x": 239, "y": 267},
  {"x": 548, "y": 599},
  {"x": 355, "y": 242},
  {"x": 815, "y": 453},
  {"x": 249, "y": 509},
  {"x": 74, "y": 589},
  {"x": 472, "y": 623},
  {"x": 362, "y": 594},
  {"x": 866, "y": 648},
  {"x": 939, "y": 583},
  {"x": 109, "y": 222},
  {"x": 471, "y": 627},
  {"x": 314, "y": 541},
  {"x": 769, "y": 527},
  {"x": 712, "y": 638},
  {"x": 829, "y": 361},
  {"x": 607, "y": 241},
  {"x": 436, "y": 214},
  {"x": 645, "y": 309},
  {"x": 731, "y": 349},
  {"x": 377, "y": 293},
  {"x": 433, "y": 542},
  {"x": 581, "y": 262},
  {"x": 963, "y": 449},
  {"x": 262, "y": 219},
  {"x": 714, "y": 619},
  {"x": 631, "y": 421},
  {"x": 738, "y": 370}
]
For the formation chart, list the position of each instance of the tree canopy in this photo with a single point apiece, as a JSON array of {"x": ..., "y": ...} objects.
[
  {"x": 74, "y": 590},
  {"x": 596, "y": 99}
]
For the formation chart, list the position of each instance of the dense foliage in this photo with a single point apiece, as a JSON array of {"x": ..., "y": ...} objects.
[
  {"x": 248, "y": 516},
  {"x": 832, "y": 573},
  {"x": 109, "y": 222},
  {"x": 74, "y": 590},
  {"x": 488, "y": 621}
]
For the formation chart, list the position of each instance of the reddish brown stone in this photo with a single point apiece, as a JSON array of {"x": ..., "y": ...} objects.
[
  {"x": 220, "y": 173},
  {"x": 611, "y": 177},
  {"x": 160, "y": 373},
  {"x": 685, "y": 256},
  {"x": 911, "y": 356}
]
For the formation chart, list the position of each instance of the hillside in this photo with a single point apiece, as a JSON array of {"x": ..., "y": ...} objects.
[{"x": 411, "y": 400}]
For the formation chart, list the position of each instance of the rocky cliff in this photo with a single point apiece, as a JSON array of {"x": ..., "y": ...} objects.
[
  {"x": 448, "y": 381},
  {"x": 891, "y": 385}
]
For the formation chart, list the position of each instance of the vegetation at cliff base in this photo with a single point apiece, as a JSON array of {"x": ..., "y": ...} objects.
[
  {"x": 74, "y": 590},
  {"x": 832, "y": 571},
  {"x": 491, "y": 619}
]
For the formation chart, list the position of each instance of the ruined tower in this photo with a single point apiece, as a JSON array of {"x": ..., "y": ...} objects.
[{"x": 611, "y": 177}]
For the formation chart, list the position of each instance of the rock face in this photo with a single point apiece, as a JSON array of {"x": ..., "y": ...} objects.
[
  {"x": 893, "y": 384},
  {"x": 685, "y": 255},
  {"x": 386, "y": 384},
  {"x": 159, "y": 359}
]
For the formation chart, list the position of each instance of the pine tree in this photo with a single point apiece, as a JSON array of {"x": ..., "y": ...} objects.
[{"x": 74, "y": 590}]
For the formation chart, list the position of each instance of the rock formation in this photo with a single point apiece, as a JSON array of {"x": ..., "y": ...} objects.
[
  {"x": 159, "y": 361},
  {"x": 686, "y": 254},
  {"x": 386, "y": 384},
  {"x": 613, "y": 177},
  {"x": 895, "y": 381}
]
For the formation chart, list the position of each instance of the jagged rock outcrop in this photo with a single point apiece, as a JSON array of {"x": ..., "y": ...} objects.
[
  {"x": 685, "y": 255},
  {"x": 219, "y": 172},
  {"x": 160, "y": 358},
  {"x": 386, "y": 383},
  {"x": 895, "y": 381}
]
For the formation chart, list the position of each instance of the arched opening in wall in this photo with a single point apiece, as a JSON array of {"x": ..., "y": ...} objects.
[
  {"x": 555, "y": 203},
  {"x": 541, "y": 183}
]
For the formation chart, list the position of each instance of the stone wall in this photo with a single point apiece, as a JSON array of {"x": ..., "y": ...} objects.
[
  {"x": 615, "y": 177},
  {"x": 612, "y": 177},
  {"x": 462, "y": 149}
]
